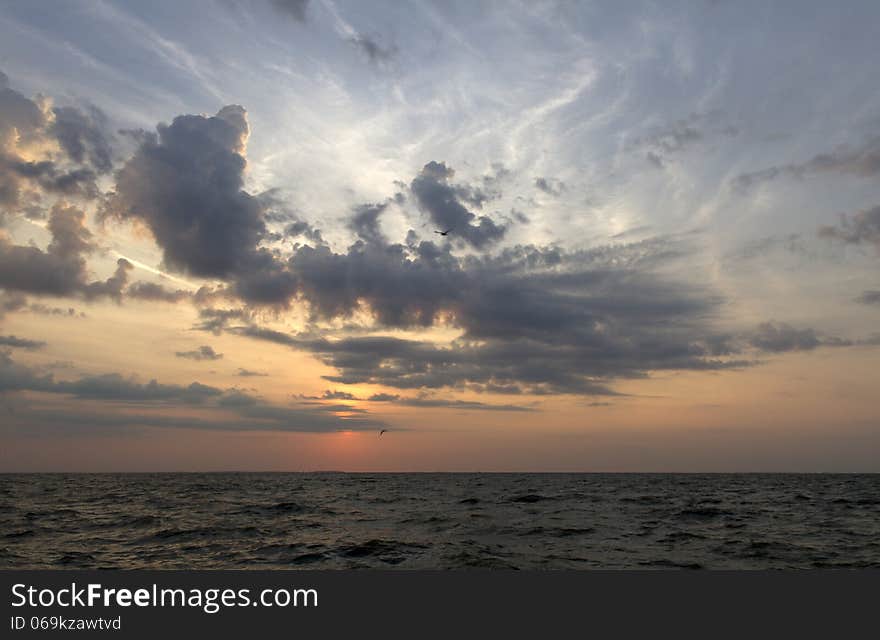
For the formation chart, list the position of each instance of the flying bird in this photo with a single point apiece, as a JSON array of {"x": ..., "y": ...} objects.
[
  {"x": 445, "y": 233},
  {"x": 382, "y": 431}
]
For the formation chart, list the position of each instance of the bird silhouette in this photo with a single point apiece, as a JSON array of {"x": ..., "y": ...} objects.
[
  {"x": 382, "y": 431},
  {"x": 444, "y": 233}
]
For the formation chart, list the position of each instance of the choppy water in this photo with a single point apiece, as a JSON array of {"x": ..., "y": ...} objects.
[{"x": 408, "y": 521}]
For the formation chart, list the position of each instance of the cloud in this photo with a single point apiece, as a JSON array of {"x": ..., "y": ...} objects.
[
  {"x": 216, "y": 320},
  {"x": 533, "y": 319},
  {"x": 11, "y": 301},
  {"x": 861, "y": 228},
  {"x": 21, "y": 343},
  {"x": 792, "y": 243},
  {"x": 185, "y": 184},
  {"x": 365, "y": 222},
  {"x": 383, "y": 397},
  {"x": 862, "y": 161},
  {"x": 84, "y": 135},
  {"x": 237, "y": 398},
  {"x": 550, "y": 186},
  {"x": 465, "y": 405},
  {"x": 155, "y": 292},
  {"x": 663, "y": 142},
  {"x": 296, "y": 9},
  {"x": 423, "y": 401},
  {"x": 308, "y": 418},
  {"x": 540, "y": 320},
  {"x": 49, "y": 151},
  {"x": 869, "y": 297},
  {"x": 331, "y": 395},
  {"x": 49, "y": 177},
  {"x": 337, "y": 395},
  {"x": 441, "y": 200},
  {"x": 46, "y": 310},
  {"x": 778, "y": 337},
  {"x": 247, "y": 373},
  {"x": 205, "y": 352},
  {"x": 113, "y": 390},
  {"x": 15, "y": 301},
  {"x": 60, "y": 270},
  {"x": 111, "y": 386},
  {"x": 376, "y": 53},
  {"x": 655, "y": 159},
  {"x": 304, "y": 229}
]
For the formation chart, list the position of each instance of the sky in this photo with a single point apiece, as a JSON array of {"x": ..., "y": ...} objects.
[{"x": 219, "y": 247}]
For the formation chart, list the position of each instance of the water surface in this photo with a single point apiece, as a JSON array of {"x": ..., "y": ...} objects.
[{"x": 439, "y": 521}]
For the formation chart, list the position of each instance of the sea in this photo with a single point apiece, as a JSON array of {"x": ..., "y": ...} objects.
[{"x": 439, "y": 521}]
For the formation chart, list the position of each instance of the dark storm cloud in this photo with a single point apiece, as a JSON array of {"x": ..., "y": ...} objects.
[
  {"x": 441, "y": 200},
  {"x": 293, "y": 8},
  {"x": 375, "y": 53},
  {"x": 205, "y": 352},
  {"x": 863, "y": 161},
  {"x": 21, "y": 343},
  {"x": 869, "y": 297},
  {"x": 863, "y": 227},
  {"x": 60, "y": 270},
  {"x": 779, "y": 337},
  {"x": 186, "y": 186}
]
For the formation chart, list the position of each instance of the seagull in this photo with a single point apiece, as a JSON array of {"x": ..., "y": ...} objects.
[
  {"x": 445, "y": 233},
  {"x": 382, "y": 431}
]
